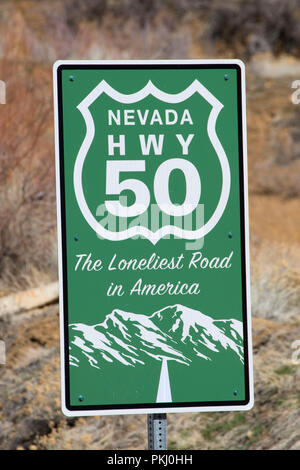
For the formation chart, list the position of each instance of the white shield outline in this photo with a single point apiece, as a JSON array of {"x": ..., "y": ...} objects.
[{"x": 151, "y": 89}]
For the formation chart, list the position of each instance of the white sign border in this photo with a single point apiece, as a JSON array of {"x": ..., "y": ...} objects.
[
  {"x": 169, "y": 409},
  {"x": 151, "y": 89}
]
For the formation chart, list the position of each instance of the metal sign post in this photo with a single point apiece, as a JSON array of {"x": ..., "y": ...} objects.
[{"x": 157, "y": 431}]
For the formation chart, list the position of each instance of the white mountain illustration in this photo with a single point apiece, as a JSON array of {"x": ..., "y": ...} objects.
[{"x": 176, "y": 333}]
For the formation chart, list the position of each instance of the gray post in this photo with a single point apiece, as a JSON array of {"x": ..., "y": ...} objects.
[{"x": 157, "y": 431}]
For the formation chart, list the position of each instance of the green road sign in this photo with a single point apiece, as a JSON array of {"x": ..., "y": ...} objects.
[{"x": 153, "y": 236}]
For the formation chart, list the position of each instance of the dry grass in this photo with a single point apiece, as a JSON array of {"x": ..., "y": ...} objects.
[{"x": 275, "y": 287}]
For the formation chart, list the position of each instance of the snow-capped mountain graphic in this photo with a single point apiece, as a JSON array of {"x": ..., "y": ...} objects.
[{"x": 174, "y": 333}]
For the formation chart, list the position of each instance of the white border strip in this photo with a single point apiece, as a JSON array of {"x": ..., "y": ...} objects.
[
  {"x": 59, "y": 240},
  {"x": 179, "y": 409}
]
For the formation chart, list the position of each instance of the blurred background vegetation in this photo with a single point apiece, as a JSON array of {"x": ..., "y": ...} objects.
[{"x": 34, "y": 34}]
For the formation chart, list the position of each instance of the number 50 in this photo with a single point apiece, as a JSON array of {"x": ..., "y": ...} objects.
[{"x": 160, "y": 187}]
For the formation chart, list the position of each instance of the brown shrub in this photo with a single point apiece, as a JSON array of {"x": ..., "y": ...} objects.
[
  {"x": 27, "y": 216},
  {"x": 279, "y": 173},
  {"x": 248, "y": 27}
]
